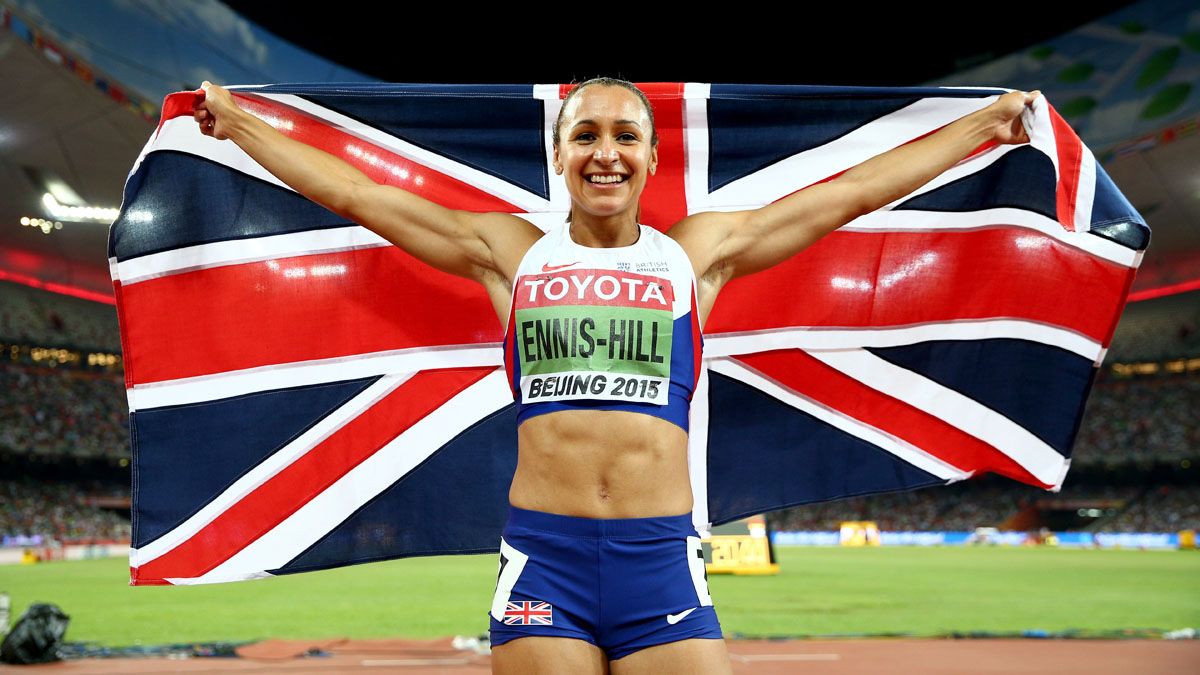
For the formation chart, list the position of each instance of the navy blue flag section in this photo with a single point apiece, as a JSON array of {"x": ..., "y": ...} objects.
[{"x": 305, "y": 395}]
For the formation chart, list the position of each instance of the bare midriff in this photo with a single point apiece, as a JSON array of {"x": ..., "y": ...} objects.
[{"x": 601, "y": 464}]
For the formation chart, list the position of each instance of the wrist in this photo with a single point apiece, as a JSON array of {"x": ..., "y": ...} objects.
[
  {"x": 980, "y": 126},
  {"x": 240, "y": 124}
]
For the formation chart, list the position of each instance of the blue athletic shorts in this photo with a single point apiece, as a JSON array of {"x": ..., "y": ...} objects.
[{"x": 620, "y": 584}]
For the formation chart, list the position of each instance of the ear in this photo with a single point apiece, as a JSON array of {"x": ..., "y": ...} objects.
[
  {"x": 653, "y": 159},
  {"x": 557, "y": 164}
]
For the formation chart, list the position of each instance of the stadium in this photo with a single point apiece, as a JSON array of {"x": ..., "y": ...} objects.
[{"x": 984, "y": 574}]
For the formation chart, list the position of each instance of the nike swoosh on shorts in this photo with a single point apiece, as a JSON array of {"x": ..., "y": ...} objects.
[{"x": 676, "y": 618}]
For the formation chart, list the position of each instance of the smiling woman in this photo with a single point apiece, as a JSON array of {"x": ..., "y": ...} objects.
[
  {"x": 600, "y": 566},
  {"x": 633, "y": 128}
]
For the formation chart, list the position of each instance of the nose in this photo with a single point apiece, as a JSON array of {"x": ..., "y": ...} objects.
[{"x": 605, "y": 153}]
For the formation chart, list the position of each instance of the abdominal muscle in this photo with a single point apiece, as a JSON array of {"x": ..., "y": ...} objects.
[{"x": 601, "y": 464}]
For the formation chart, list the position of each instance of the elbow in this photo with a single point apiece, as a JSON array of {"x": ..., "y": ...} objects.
[
  {"x": 345, "y": 201},
  {"x": 856, "y": 198}
]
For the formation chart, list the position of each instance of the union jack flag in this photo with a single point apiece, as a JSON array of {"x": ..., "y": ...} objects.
[
  {"x": 527, "y": 613},
  {"x": 304, "y": 395}
]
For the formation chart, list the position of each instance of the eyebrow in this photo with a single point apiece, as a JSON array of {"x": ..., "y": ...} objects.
[{"x": 619, "y": 122}]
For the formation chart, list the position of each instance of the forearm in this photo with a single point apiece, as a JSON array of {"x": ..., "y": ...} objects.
[
  {"x": 314, "y": 173},
  {"x": 900, "y": 171}
]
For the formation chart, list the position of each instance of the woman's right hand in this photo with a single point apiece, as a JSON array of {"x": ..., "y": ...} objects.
[{"x": 215, "y": 111}]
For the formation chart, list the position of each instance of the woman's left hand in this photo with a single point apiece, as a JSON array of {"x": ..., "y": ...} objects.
[{"x": 1005, "y": 116}]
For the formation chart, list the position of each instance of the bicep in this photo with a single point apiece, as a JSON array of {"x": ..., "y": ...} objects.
[
  {"x": 445, "y": 238},
  {"x": 769, "y": 235}
]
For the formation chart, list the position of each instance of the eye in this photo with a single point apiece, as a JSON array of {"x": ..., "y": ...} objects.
[
  {"x": 585, "y": 137},
  {"x": 627, "y": 137}
]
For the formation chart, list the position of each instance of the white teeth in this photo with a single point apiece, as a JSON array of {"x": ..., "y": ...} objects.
[{"x": 606, "y": 179}]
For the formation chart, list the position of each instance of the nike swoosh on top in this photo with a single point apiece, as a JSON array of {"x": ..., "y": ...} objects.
[
  {"x": 676, "y": 618},
  {"x": 551, "y": 268}
]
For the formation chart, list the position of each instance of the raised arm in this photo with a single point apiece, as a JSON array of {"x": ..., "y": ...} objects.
[
  {"x": 723, "y": 246},
  {"x": 486, "y": 247}
]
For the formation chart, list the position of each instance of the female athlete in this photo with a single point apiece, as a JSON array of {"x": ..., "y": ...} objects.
[{"x": 599, "y": 569}]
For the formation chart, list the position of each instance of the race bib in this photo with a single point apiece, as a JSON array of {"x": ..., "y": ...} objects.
[{"x": 594, "y": 334}]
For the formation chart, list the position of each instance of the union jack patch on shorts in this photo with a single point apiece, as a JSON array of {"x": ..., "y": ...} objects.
[{"x": 529, "y": 613}]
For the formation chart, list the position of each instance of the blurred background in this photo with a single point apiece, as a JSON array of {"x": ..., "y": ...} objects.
[{"x": 82, "y": 83}]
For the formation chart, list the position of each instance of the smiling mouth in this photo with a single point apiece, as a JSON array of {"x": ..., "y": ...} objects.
[{"x": 606, "y": 179}]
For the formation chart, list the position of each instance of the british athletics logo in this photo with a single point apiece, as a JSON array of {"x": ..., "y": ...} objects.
[
  {"x": 304, "y": 395},
  {"x": 528, "y": 613}
]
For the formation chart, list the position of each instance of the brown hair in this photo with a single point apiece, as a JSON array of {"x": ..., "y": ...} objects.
[{"x": 609, "y": 82}]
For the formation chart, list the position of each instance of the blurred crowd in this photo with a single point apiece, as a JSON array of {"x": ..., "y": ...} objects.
[
  {"x": 30, "y": 316},
  {"x": 72, "y": 412},
  {"x": 1166, "y": 508},
  {"x": 964, "y": 506},
  {"x": 59, "y": 511},
  {"x": 1142, "y": 420}
]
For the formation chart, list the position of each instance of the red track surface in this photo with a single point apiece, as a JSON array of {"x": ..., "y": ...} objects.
[{"x": 822, "y": 657}]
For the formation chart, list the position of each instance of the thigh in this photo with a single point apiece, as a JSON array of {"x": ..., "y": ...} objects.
[
  {"x": 534, "y": 655},
  {"x": 699, "y": 656}
]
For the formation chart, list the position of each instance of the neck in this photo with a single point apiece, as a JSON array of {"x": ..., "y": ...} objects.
[{"x": 611, "y": 232}]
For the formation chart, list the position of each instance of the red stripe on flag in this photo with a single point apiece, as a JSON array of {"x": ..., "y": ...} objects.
[
  {"x": 813, "y": 379},
  {"x": 662, "y": 203},
  {"x": 297, "y": 309},
  {"x": 127, "y": 361},
  {"x": 1070, "y": 156},
  {"x": 293, "y": 487},
  {"x": 866, "y": 279},
  {"x": 379, "y": 164},
  {"x": 178, "y": 105}
]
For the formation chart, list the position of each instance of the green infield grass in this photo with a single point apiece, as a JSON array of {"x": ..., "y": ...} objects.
[{"x": 820, "y": 591}]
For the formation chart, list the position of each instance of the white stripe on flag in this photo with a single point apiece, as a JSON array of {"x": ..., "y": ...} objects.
[
  {"x": 323, "y": 513},
  {"x": 899, "y": 447},
  {"x": 963, "y": 412},
  {"x": 959, "y": 171},
  {"x": 877, "y": 136},
  {"x": 1038, "y": 125},
  {"x": 269, "y": 467},
  {"x": 517, "y": 196},
  {"x": 268, "y": 247},
  {"x": 182, "y": 134},
  {"x": 253, "y": 249},
  {"x": 906, "y": 220},
  {"x": 698, "y": 453},
  {"x": 560, "y": 198},
  {"x": 695, "y": 146},
  {"x": 354, "y": 237},
  {"x": 826, "y": 337},
  {"x": 303, "y": 373},
  {"x": 1087, "y": 191}
]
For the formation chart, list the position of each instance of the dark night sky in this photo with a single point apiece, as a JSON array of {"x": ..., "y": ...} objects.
[{"x": 859, "y": 45}]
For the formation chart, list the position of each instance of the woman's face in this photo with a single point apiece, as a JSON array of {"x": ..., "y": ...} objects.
[{"x": 604, "y": 151}]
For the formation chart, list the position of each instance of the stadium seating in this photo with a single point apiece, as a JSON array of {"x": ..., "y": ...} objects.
[
  {"x": 58, "y": 511},
  {"x": 62, "y": 412},
  {"x": 35, "y": 317}
]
